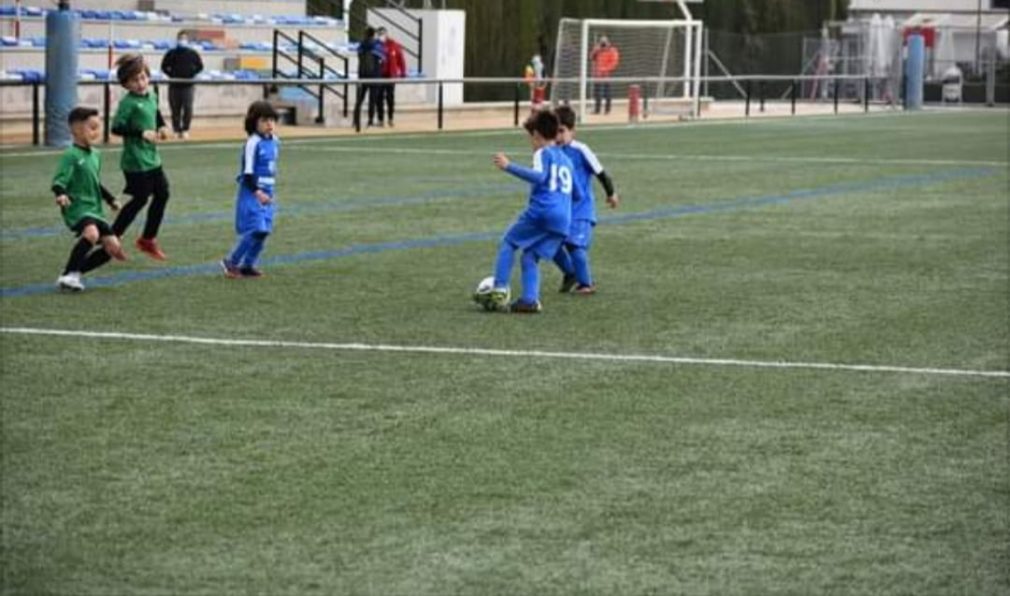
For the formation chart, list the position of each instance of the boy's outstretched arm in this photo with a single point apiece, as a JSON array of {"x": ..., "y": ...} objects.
[{"x": 534, "y": 175}]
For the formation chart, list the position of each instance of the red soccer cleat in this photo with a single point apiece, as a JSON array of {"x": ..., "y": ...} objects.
[
  {"x": 230, "y": 271},
  {"x": 151, "y": 248}
]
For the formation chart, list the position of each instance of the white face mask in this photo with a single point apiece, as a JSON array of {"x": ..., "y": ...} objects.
[{"x": 183, "y": 43}]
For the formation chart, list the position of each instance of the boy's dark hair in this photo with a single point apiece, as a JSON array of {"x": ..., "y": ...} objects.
[
  {"x": 80, "y": 114},
  {"x": 369, "y": 32},
  {"x": 257, "y": 110},
  {"x": 566, "y": 116},
  {"x": 129, "y": 66},
  {"x": 543, "y": 122}
]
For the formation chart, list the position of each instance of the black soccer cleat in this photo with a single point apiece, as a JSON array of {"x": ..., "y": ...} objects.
[
  {"x": 525, "y": 308},
  {"x": 250, "y": 272},
  {"x": 567, "y": 284}
]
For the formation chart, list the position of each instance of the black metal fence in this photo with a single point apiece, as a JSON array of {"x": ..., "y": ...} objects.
[{"x": 757, "y": 90}]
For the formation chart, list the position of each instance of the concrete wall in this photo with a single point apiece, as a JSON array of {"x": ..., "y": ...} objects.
[{"x": 157, "y": 30}]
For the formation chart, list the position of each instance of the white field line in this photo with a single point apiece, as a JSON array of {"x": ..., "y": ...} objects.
[
  {"x": 686, "y": 157},
  {"x": 494, "y": 132},
  {"x": 588, "y": 356}
]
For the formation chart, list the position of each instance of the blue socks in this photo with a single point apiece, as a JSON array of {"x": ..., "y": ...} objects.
[
  {"x": 530, "y": 271},
  {"x": 503, "y": 266},
  {"x": 531, "y": 277},
  {"x": 248, "y": 248},
  {"x": 580, "y": 260},
  {"x": 564, "y": 262},
  {"x": 574, "y": 260}
]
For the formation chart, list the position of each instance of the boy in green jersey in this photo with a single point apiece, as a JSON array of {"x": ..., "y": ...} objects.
[
  {"x": 79, "y": 193},
  {"x": 141, "y": 125}
]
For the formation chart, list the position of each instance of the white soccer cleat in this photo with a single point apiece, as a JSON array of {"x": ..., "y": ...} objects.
[{"x": 70, "y": 281}]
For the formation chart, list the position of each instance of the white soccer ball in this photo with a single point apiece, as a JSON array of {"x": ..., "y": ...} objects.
[
  {"x": 483, "y": 295},
  {"x": 485, "y": 286}
]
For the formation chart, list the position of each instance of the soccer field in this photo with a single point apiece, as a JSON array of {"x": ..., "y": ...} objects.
[{"x": 793, "y": 378}]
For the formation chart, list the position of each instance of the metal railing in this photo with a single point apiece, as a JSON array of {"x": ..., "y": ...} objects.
[
  {"x": 754, "y": 87},
  {"x": 317, "y": 74}
]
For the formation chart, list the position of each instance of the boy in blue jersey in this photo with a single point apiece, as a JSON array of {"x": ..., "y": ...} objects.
[
  {"x": 254, "y": 207},
  {"x": 573, "y": 257},
  {"x": 543, "y": 225}
]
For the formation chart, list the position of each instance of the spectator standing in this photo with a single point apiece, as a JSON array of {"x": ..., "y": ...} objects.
[
  {"x": 371, "y": 56},
  {"x": 605, "y": 58},
  {"x": 394, "y": 67},
  {"x": 181, "y": 62}
]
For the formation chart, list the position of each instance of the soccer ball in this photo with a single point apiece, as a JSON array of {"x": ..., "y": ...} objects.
[{"x": 487, "y": 298}]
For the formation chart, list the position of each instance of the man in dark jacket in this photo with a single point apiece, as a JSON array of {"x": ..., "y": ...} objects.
[
  {"x": 371, "y": 56},
  {"x": 181, "y": 62}
]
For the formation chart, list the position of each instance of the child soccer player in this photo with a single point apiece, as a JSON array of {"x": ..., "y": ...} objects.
[
  {"x": 542, "y": 226},
  {"x": 79, "y": 193},
  {"x": 254, "y": 208},
  {"x": 573, "y": 257},
  {"x": 141, "y": 125}
]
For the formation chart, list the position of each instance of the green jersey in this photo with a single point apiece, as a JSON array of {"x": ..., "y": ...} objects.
[
  {"x": 79, "y": 176},
  {"x": 135, "y": 114}
]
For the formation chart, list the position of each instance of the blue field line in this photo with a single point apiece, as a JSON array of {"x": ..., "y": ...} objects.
[
  {"x": 294, "y": 208},
  {"x": 671, "y": 212},
  {"x": 892, "y": 182}
]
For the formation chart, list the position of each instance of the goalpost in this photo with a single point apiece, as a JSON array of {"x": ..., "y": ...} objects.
[{"x": 665, "y": 54}]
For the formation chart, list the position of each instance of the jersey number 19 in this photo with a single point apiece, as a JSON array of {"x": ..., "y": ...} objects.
[{"x": 562, "y": 174}]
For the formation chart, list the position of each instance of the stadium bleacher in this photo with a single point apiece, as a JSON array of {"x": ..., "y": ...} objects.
[
  {"x": 223, "y": 38},
  {"x": 234, "y": 46}
]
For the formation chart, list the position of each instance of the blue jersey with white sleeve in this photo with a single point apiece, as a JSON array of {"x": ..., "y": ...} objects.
[
  {"x": 551, "y": 180},
  {"x": 258, "y": 171},
  {"x": 585, "y": 166}
]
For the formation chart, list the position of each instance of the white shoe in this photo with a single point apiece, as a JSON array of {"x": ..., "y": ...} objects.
[
  {"x": 70, "y": 281},
  {"x": 184, "y": 135}
]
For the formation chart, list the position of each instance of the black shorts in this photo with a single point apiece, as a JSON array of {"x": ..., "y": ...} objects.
[
  {"x": 104, "y": 229},
  {"x": 141, "y": 185}
]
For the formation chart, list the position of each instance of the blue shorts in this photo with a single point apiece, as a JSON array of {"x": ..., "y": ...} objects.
[
  {"x": 530, "y": 237},
  {"x": 250, "y": 216},
  {"x": 580, "y": 235}
]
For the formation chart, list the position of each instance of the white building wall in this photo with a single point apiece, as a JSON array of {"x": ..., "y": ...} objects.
[
  {"x": 918, "y": 5},
  {"x": 442, "y": 51}
]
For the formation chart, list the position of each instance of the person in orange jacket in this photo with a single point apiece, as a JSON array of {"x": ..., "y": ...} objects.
[{"x": 605, "y": 58}]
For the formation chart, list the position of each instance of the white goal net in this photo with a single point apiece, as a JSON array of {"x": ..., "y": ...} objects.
[{"x": 663, "y": 58}]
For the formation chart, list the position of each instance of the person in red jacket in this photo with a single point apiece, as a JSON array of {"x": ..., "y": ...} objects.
[
  {"x": 605, "y": 58},
  {"x": 395, "y": 67}
]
